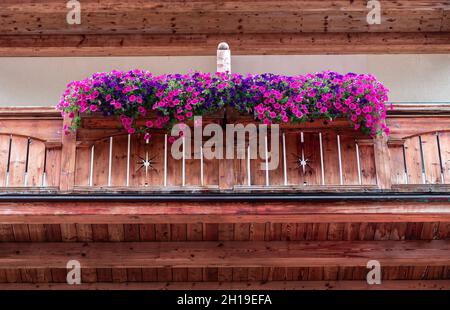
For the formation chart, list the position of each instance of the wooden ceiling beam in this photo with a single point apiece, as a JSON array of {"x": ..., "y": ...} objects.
[
  {"x": 239, "y": 285},
  {"x": 58, "y": 212},
  {"x": 197, "y": 45},
  {"x": 224, "y": 254},
  {"x": 207, "y": 16}
]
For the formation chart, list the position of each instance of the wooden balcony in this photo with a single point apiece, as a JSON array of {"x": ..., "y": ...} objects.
[{"x": 358, "y": 198}]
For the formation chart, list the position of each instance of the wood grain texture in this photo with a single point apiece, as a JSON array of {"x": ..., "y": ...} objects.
[
  {"x": 245, "y": 285},
  {"x": 225, "y": 254},
  {"x": 213, "y": 213}
]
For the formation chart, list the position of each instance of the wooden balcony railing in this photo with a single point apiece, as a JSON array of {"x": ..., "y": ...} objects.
[{"x": 35, "y": 155}]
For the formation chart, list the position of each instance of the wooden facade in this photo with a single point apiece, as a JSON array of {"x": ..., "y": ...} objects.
[
  {"x": 82, "y": 196},
  {"x": 224, "y": 223},
  {"x": 176, "y": 27}
]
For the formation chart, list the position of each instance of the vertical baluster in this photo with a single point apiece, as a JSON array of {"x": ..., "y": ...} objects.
[
  {"x": 284, "y": 161},
  {"x": 405, "y": 167},
  {"x": 44, "y": 172},
  {"x": 441, "y": 164},
  {"x": 201, "y": 166},
  {"x": 422, "y": 160},
  {"x": 302, "y": 145},
  {"x": 128, "y": 159},
  {"x": 341, "y": 180},
  {"x": 358, "y": 164},
  {"x": 266, "y": 150},
  {"x": 165, "y": 160},
  {"x": 183, "y": 172},
  {"x": 8, "y": 166},
  {"x": 322, "y": 170},
  {"x": 110, "y": 160},
  {"x": 25, "y": 176},
  {"x": 146, "y": 163},
  {"x": 249, "y": 175},
  {"x": 91, "y": 167}
]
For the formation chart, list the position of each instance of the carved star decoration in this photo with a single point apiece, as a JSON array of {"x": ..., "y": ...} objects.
[{"x": 147, "y": 163}]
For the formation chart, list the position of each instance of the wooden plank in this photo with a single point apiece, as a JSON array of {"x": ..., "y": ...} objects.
[
  {"x": 68, "y": 159},
  {"x": 18, "y": 161},
  {"x": 242, "y": 44},
  {"x": 367, "y": 165},
  {"x": 119, "y": 161},
  {"x": 7, "y": 235},
  {"x": 195, "y": 233},
  {"x": 131, "y": 234},
  {"x": 36, "y": 163},
  {"x": 228, "y": 254},
  {"x": 178, "y": 254},
  {"x": 212, "y": 213},
  {"x": 424, "y": 120},
  {"x": 155, "y": 174},
  {"x": 311, "y": 149},
  {"x": 397, "y": 164},
  {"x": 21, "y": 121},
  {"x": 84, "y": 234},
  {"x": 53, "y": 167},
  {"x": 179, "y": 233},
  {"x": 382, "y": 163},
  {"x": 330, "y": 158},
  {"x": 116, "y": 234},
  {"x": 431, "y": 159},
  {"x": 444, "y": 139},
  {"x": 174, "y": 168},
  {"x": 69, "y": 232},
  {"x": 349, "y": 160},
  {"x": 413, "y": 160},
  {"x": 101, "y": 163},
  {"x": 258, "y": 285},
  {"x": 210, "y": 233},
  {"x": 83, "y": 166},
  {"x": 159, "y": 17},
  {"x": 4, "y": 151}
]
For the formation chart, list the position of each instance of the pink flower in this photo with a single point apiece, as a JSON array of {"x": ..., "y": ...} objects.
[
  {"x": 142, "y": 110},
  {"x": 147, "y": 136},
  {"x": 93, "y": 108},
  {"x": 149, "y": 124}
]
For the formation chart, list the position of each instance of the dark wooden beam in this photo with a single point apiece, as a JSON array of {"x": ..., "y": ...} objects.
[
  {"x": 241, "y": 44},
  {"x": 208, "y": 16},
  {"x": 210, "y": 212},
  {"x": 242, "y": 285},
  {"x": 225, "y": 254}
]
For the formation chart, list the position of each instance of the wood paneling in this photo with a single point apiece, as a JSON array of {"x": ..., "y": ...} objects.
[
  {"x": 245, "y": 285},
  {"x": 206, "y": 17},
  {"x": 188, "y": 212},
  {"x": 257, "y": 44},
  {"x": 225, "y": 254}
]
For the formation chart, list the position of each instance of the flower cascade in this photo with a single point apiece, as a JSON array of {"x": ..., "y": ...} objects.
[{"x": 270, "y": 98}]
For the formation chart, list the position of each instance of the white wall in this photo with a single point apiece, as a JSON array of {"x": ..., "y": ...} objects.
[{"x": 410, "y": 78}]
